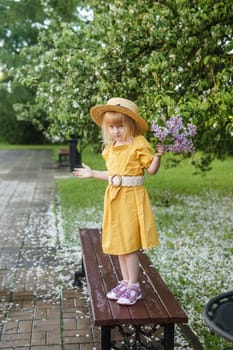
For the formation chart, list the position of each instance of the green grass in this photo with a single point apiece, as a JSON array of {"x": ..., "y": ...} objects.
[
  {"x": 180, "y": 179},
  {"x": 54, "y": 148},
  {"x": 5, "y": 146}
]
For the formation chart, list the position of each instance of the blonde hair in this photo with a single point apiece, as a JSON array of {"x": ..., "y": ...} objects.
[{"x": 116, "y": 118}]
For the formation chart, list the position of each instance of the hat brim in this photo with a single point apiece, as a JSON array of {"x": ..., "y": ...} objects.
[{"x": 97, "y": 114}]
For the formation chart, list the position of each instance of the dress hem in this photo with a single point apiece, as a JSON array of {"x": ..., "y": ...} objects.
[{"x": 131, "y": 251}]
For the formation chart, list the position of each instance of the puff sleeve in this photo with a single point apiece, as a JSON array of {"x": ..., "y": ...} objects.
[{"x": 144, "y": 152}]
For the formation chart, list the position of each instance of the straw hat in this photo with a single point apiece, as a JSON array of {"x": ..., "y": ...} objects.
[{"x": 121, "y": 105}]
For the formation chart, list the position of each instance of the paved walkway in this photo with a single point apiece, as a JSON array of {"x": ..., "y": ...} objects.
[{"x": 31, "y": 316}]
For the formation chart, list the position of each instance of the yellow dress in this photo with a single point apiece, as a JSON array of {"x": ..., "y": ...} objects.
[{"x": 128, "y": 222}]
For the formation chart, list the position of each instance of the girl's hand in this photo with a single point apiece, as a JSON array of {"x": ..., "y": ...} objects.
[
  {"x": 83, "y": 173},
  {"x": 160, "y": 150}
]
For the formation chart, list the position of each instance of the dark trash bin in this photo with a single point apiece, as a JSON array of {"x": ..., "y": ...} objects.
[
  {"x": 218, "y": 315},
  {"x": 75, "y": 154}
]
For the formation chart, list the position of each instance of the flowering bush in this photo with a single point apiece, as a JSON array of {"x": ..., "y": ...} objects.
[{"x": 174, "y": 134}]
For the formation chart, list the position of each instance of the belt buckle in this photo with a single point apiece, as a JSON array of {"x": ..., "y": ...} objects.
[{"x": 116, "y": 180}]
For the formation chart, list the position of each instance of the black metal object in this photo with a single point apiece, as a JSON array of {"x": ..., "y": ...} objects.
[
  {"x": 169, "y": 332},
  {"x": 106, "y": 338},
  {"x": 75, "y": 154},
  {"x": 78, "y": 275},
  {"x": 218, "y": 315},
  {"x": 138, "y": 337},
  {"x": 191, "y": 337}
]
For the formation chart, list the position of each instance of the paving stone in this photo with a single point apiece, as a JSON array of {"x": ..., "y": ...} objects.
[
  {"x": 39, "y": 338},
  {"x": 45, "y": 347},
  {"x": 80, "y": 337},
  {"x": 16, "y": 339}
]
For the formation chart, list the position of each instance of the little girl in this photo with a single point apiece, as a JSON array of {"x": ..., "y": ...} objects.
[{"x": 128, "y": 223}]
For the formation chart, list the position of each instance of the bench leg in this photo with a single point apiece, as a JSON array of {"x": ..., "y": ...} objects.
[
  {"x": 105, "y": 337},
  {"x": 77, "y": 275},
  {"x": 169, "y": 337}
]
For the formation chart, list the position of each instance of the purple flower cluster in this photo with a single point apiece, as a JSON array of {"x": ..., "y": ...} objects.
[{"x": 174, "y": 134}]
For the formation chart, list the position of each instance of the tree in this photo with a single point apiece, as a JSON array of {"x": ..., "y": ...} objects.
[
  {"x": 172, "y": 57},
  {"x": 22, "y": 120},
  {"x": 17, "y": 29},
  {"x": 61, "y": 69}
]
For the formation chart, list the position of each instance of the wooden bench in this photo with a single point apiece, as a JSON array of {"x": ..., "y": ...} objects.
[
  {"x": 157, "y": 307},
  {"x": 63, "y": 157}
]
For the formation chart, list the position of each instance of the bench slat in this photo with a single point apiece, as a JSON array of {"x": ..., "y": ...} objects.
[
  {"x": 64, "y": 152},
  {"x": 170, "y": 304},
  {"x": 151, "y": 308},
  {"x": 105, "y": 312},
  {"x": 148, "y": 309},
  {"x": 110, "y": 279},
  {"x": 152, "y": 303},
  {"x": 101, "y": 309}
]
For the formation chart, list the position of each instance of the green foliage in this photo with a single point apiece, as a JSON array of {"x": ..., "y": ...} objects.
[
  {"x": 19, "y": 27},
  {"x": 168, "y": 56},
  {"x": 22, "y": 118},
  {"x": 13, "y": 130}
]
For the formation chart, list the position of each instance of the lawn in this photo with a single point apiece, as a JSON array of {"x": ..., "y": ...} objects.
[
  {"x": 52, "y": 147},
  {"x": 194, "y": 220}
]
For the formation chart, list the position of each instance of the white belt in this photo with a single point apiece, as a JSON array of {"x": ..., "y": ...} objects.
[{"x": 118, "y": 180}]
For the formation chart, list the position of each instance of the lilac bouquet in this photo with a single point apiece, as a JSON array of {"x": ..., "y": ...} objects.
[{"x": 174, "y": 134}]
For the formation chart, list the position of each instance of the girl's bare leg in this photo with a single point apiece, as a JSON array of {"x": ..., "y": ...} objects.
[
  {"x": 130, "y": 269},
  {"x": 129, "y": 265},
  {"x": 123, "y": 266},
  {"x": 132, "y": 263}
]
